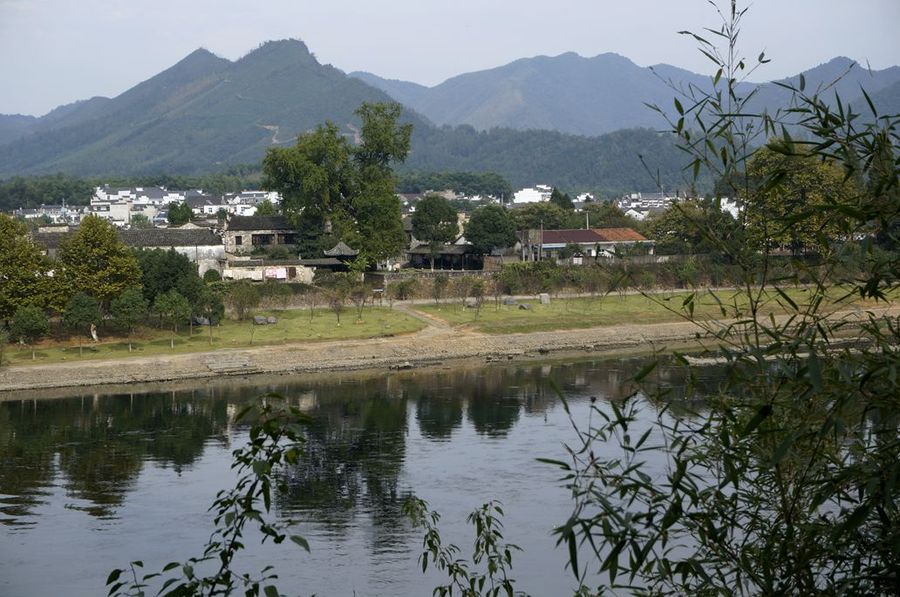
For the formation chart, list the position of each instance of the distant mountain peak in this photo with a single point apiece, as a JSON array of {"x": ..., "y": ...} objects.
[{"x": 290, "y": 49}]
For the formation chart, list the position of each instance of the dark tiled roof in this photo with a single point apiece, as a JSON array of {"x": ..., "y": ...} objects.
[
  {"x": 321, "y": 262},
  {"x": 341, "y": 250},
  {"x": 196, "y": 201},
  {"x": 50, "y": 240},
  {"x": 619, "y": 234},
  {"x": 169, "y": 237},
  {"x": 241, "y": 223}
]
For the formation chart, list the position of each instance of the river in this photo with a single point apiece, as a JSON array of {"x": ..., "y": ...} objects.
[{"x": 92, "y": 481}]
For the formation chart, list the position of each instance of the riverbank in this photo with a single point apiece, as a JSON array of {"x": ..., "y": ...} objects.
[{"x": 436, "y": 344}]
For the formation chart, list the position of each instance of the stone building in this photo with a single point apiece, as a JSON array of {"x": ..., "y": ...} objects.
[{"x": 243, "y": 234}]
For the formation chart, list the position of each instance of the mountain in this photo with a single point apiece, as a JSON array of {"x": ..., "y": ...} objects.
[
  {"x": 591, "y": 96},
  {"x": 408, "y": 94},
  {"x": 206, "y": 113},
  {"x": 14, "y": 126},
  {"x": 202, "y": 112}
]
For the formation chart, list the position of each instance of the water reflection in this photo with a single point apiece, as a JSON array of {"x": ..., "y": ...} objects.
[
  {"x": 94, "y": 454},
  {"x": 95, "y": 446}
]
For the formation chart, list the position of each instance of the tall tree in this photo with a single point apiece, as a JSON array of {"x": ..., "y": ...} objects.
[
  {"x": 489, "y": 228},
  {"x": 24, "y": 270},
  {"x": 435, "y": 222},
  {"x": 605, "y": 214},
  {"x": 314, "y": 179},
  {"x": 266, "y": 208},
  {"x": 96, "y": 262},
  {"x": 128, "y": 309},
  {"x": 383, "y": 142},
  {"x": 789, "y": 198},
  {"x": 691, "y": 227},
  {"x": 348, "y": 190}
]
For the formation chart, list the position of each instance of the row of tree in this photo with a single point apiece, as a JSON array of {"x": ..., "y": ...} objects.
[{"x": 95, "y": 278}]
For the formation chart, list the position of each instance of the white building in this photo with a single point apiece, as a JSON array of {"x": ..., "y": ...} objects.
[
  {"x": 118, "y": 204},
  {"x": 538, "y": 193}
]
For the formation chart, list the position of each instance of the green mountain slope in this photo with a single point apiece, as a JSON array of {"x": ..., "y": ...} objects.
[
  {"x": 591, "y": 96},
  {"x": 206, "y": 113},
  {"x": 15, "y": 126},
  {"x": 201, "y": 113}
]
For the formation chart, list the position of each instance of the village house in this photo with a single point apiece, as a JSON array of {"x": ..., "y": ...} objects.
[
  {"x": 590, "y": 243},
  {"x": 201, "y": 245},
  {"x": 243, "y": 234},
  {"x": 54, "y": 214}
]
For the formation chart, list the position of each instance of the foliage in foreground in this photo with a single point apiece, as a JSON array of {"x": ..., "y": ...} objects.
[
  {"x": 276, "y": 438},
  {"x": 787, "y": 480}
]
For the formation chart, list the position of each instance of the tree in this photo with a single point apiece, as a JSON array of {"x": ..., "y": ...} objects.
[
  {"x": 788, "y": 199},
  {"x": 693, "y": 227},
  {"x": 243, "y": 297},
  {"x": 179, "y": 214},
  {"x": 608, "y": 215},
  {"x": 140, "y": 221},
  {"x": 439, "y": 287},
  {"x": 359, "y": 293},
  {"x": 266, "y": 208},
  {"x": 561, "y": 200},
  {"x": 29, "y": 323},
  {"x": 96, "y": 262},
  {"x": 337, "y": 299},
  {"x": 210, "y": 306},
  {"x": 24, "y": 270},
  {"x": 489, "y": 228},
  {"x": 172, "y": 308},
  {"x": 541, "y": 215},
  {"x": 163, "y": 270},
  {"x": 314, "y": 178},
  {"x": 384, "y": 142},
  {"x": 786, "y": 479},
  {"x": 434, "y": 222},
  {"x": 128, "y": 309},
  {"x": 345, "y": 191},
  {"x": 82, "y": 311}
]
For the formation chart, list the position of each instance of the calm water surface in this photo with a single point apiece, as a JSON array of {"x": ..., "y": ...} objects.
[{"x": 90, "y": 482}]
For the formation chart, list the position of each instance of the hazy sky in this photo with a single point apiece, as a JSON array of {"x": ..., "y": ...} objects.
[{"x": 56, "y": 51}]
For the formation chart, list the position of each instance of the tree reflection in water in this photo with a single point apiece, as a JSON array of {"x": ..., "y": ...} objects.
[{"x": 95, "y": 447}]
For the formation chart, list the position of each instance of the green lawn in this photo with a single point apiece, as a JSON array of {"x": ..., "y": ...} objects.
[
  {"x": 293, "y": 326},
  {"x": 613, "y": 309}
]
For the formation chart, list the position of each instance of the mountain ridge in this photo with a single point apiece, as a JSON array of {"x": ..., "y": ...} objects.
[
  {"x": 206, "y": 113},
  {"x": 596, "y": 95}
]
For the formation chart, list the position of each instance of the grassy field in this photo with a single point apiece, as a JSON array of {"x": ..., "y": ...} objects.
[
  {"x": 613, "y": 309},
  {"x": 292, "y": 326}
]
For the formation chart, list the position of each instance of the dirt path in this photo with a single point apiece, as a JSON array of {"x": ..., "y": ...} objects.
[{"x": 436, "y": 343}]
